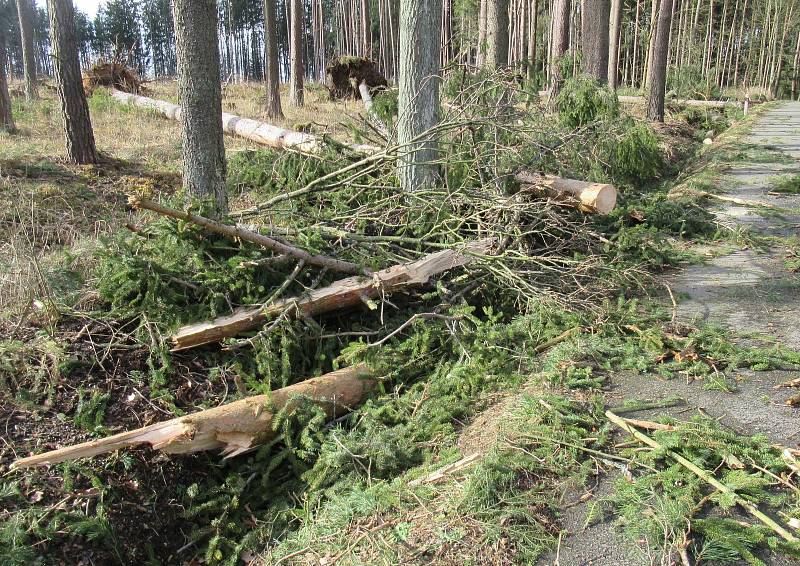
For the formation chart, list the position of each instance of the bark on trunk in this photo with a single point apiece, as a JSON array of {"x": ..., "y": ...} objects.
[
  {"x": 596, "y": 198},
  {"x": 342, "y": 294},
  {"x": 594, "y": 34},
  {"x": 366, "y": 29},
  {"x": 259, "y": 132},
  {"x": 200, "y": 94},
  {"x": 559, "y": 43},
  {"x": 296, "y": 54},
  {"x": 234, "y": 428},
  {"x": 25, "y": 15},
  {"x": 418, "y": 99},
  {"x": 533, "y": 17},
  {"x": 74, "y": 109},
  {"x": 6, "y": 116},
  {"x": 658, "y": 76},
  {"x": 615, "y": 26},
  {"x": 496, "y": 33},
  {"x": 272, "y": 95}
]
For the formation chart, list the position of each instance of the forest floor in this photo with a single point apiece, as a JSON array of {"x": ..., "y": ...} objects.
[{"x": 550, "y": 482}]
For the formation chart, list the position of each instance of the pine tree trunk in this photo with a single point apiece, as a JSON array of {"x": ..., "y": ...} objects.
[
  {"x": 559, "y": 43},
  {"x": 533, "y": 17},
  {"x": 481, "y": 55},
  {"x": 651, "y": 43},
  {"x": 25, "y": 14},
  {"x": 296, "y": 54},
  {"x": 200, "y": 95},
  {"x": 594, "y": 34},
  {"x": 74, "y": 109},
  {"x": 496, "y": 33},
  {"x": 272, "y": 99},
  {"x": 796, "y": 68},
  {"x": 615, "y": 25},
  {"x": 418, "y": 99},
  {"x": 658, "y": 64},
  {"x": 366, "y": 29},
  {"x": 6, "y": 117}
]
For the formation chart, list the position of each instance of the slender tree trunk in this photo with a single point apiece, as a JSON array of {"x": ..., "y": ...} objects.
[
  {"x": 595, "y": 38},
  {"x": 658, "y": 76},
  {"x": 272, "y": 99},
  {"x": 366, "y": 29},
  {"x": 296, "y": 54},
  {"x": 559, "y": 43},
  {"x": 418, "y": 98},
  {"x": 496, "y": 33},
  {"x": 25, "y": 14},
  {"x": 635, "y": 59},
  {"x": 533, "y": 17},
  {"x": 615, "y": 25},
  {"x": 74, "y": 109},
  {"x": 651, "y": 42},
  {"x": 481, "y": 55},
  {"x": 6, "y": 116},
  {"x": 200, "y": 95},
  {"x": 796, "y": 68},
  {"x": 739, "y": 50},
  {"x": 709, "y": 46}
]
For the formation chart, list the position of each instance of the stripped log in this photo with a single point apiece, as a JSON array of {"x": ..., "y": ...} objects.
[
  {"x": 544, "y": 94},
  {"x": 244, "y": 234},
  {"x": 235, "y": 428},
  {"x": 259, "y": 132},
  {"x": 373, "y": 117},
  {"x": 339, "y": 295},
  {"x": 600, "y": 198}
]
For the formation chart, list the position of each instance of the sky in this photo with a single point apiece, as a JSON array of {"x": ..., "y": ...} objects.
[{"x": 89, "y": 7}]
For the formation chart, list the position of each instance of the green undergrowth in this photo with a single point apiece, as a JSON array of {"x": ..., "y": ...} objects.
[
  {"x": 665, "y": 507},
  {"x": 786, "y": 184}
]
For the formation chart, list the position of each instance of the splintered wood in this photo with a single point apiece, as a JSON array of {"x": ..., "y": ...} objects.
[
  {"x": 234, "y": 428},
  {"x": 339, "y": 295},
  {"x": 596, "y": 198}
]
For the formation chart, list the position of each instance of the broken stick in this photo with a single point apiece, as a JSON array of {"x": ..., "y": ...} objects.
[
  {"x": 703, "y": 475},
  {"x": 596, "y": 198},
  {"x": 339, "y": 295},
  {"x": 244, "y": 234},
  {"x": 236, "y": 428}
]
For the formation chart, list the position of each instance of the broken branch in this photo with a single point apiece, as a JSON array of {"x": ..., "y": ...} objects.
[
  {"x": 236, "y": 428},
  {"x": 244, "y": 234},
  {"x": 339, "y": 295}
]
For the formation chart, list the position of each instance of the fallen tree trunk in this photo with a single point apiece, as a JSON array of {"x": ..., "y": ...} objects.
[
  {"x": 679, "y": 101},
  {"x": 236, "y": 428},
  {"x": 339, "y": 295},
  {"x": 247, "y": 235},
  {"x": 259, "y": 132},
  {"x": 371, "y": 114},
  {"x": 599, "y": 198}
]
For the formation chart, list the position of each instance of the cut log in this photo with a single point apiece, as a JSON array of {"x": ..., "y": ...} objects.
[
  {"x": 235, "y": 428},
  {"x": 373, "y": 117},
  {"x": 247, "y": 235},
  {"x": 339, "y": 295},
  {"x": 599, "y": 198},
  {"x": 259, "y": 132}
]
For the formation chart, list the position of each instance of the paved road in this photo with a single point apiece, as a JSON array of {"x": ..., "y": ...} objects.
[{"x": 747, "y": 291}]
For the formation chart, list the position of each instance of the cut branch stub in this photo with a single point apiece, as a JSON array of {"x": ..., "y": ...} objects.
[
  {"x": 235, "y": 428},
  {"x": 599, "y": 198},
  {"x": 339, "y": 295},
  {"x": 247, "y": 235}
]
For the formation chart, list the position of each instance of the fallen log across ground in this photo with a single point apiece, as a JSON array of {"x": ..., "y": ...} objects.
[
  {"x": 595, "y": 198},
  {"x": 678, "y": 101},
  {"x": 339, "y": 295},
  {"x": 247, "y": 235},
  {"x": 259, "y": 132},
  {"x": 235, "y": 428}
]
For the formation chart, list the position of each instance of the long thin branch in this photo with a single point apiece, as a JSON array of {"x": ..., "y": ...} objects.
[{"x": 243, "y": 234}]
